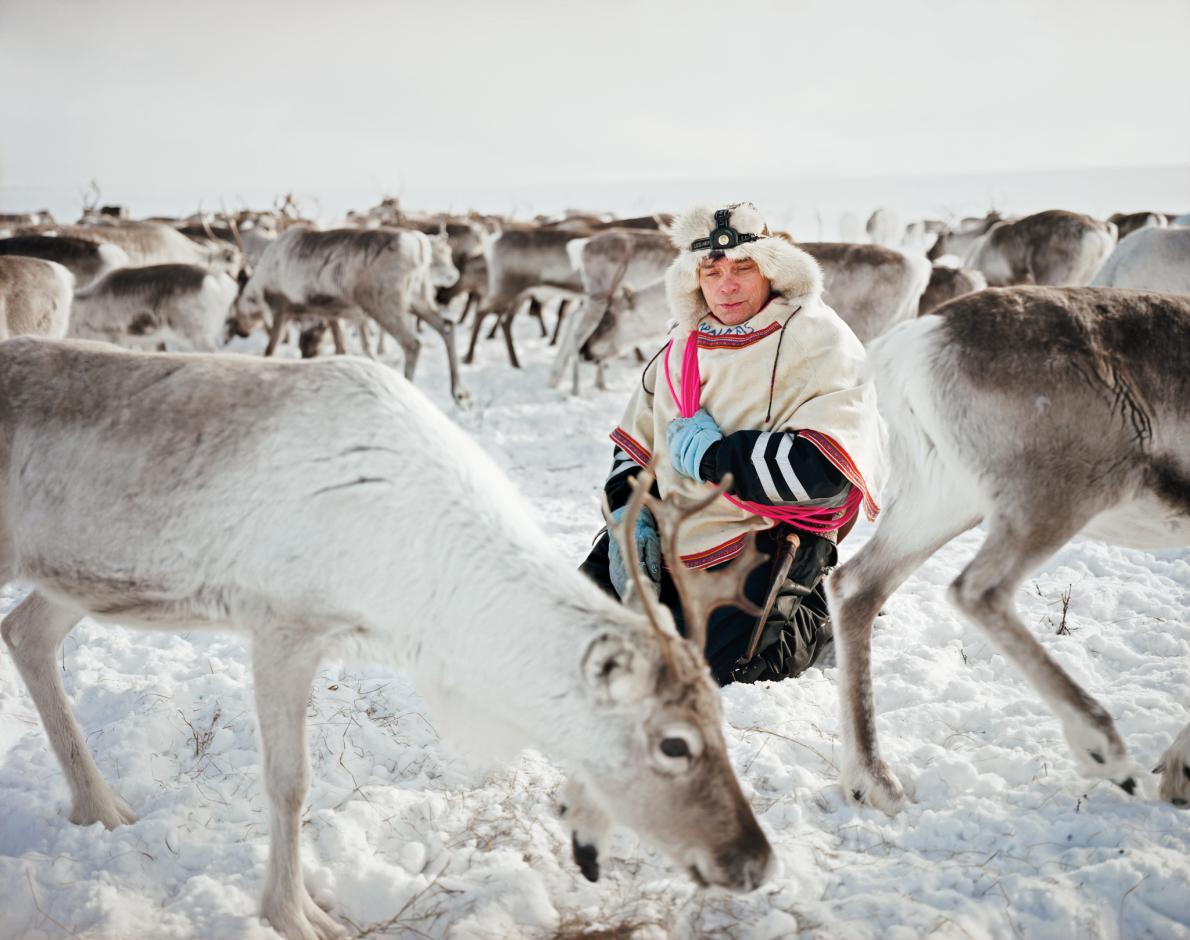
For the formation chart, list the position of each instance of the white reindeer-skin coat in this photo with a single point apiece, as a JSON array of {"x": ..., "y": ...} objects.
[{"x": 819, "y": 382}]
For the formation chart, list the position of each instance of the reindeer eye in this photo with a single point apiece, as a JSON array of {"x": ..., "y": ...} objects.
[{"x": 675, "y": 747}]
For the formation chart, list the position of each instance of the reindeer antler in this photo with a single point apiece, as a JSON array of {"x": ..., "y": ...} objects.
[
  {"x": 206, "y": 226},
  {"x": 701, "y": 592},
  {"x": 705, "y": 591},
  {"x": 235, "y": 233},
  {"x": 625, "y": 533}
]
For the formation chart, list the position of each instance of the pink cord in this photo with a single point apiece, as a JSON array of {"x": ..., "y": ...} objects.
[{"x": 816, "y": 519}]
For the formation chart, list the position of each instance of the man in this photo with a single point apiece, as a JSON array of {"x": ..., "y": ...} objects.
[{"x": 772, "y": 393}]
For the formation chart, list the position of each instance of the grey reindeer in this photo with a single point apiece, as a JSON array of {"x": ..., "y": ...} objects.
[{"x": 1042, "y": 413}]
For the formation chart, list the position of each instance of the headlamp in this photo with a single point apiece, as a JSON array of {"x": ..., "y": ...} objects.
[{"x": 723, "y": 236}]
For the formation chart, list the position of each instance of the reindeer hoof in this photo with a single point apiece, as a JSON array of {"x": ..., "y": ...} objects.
[
  {"x": 875, "y": 786},
  {"x": 108, "y": 809},
  {"x": 586, "y": 857}
]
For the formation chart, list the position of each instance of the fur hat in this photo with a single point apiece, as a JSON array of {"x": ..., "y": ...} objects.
[{"x": 794, "y": 274}]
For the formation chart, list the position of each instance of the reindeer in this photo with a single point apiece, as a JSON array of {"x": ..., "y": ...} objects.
[
  {"x": 1174, "y": 768},
  {"x": 353, "y": 552},
  {"x": 1149, "y": 259},
  {"x": 871, "y": 287},
  {"x": 1128, "y": 222},
  {"x": 608, "y": 263},
  {"x": 86, "y": 260},
  {"x": 250, "y": 240},
  {"x": 947, "y": 283},
  {"x": 632, "y": 319},
  {"x": 884, "y": 228},
  {"x": 386, "y": 274},
  {"x": 146, "y": 308},
  {"x": 1055, "y": 247},
  {"x": 154, "y": 243},
  {"x": 466, "y": 239},
  {"x": 1041, "y": 412},
  {"x": 957, "y": 242},
  {"x": 34, "y": 297},
  {"x": 11, "y": 221},
  {"x": 520, "y": 260}
]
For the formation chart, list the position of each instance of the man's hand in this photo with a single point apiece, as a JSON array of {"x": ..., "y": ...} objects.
[
  {"x": 688, "y": 439},
  {"x": 648, "y": 547}
]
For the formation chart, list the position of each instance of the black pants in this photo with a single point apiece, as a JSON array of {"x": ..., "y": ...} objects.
[{"x": 730, "y": 628}]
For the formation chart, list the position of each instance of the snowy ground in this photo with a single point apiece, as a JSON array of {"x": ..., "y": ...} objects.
[{"x": 403, "y": 838}]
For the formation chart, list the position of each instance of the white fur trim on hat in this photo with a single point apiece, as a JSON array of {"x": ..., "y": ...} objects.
[{"x": 794, "y": 274}]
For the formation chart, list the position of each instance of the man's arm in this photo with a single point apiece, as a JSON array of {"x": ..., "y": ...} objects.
[
  {"x": 772, "y": 467},
  {"x": 633, "y": 438},
  {"x": 617, "y": 487}
]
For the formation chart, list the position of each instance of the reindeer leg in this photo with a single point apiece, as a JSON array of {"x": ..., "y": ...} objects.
[
  {"x": 33, "y": 632},
  {"x": 362, "y": 330},
  {"x": 337, "y": 336},
  {"x": 476, "y": 327},
  {"x": 562, "y": 309},
  {"x": 282, "y": 687},
  {"x": 983, "y": 592},
  {"x": 400, "y": 326},
  {"x": 470, "y": 299},
  {"x": 856, "y": 591},
  {"x": 505, "y": 324},
  {"x": 535, "y": 312},
  {"x": 280, "y": 319},
  {"x": 445, "y": 329}
]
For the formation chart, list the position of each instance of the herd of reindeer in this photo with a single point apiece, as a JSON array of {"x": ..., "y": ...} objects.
[{"x": 1034, "y": 374}]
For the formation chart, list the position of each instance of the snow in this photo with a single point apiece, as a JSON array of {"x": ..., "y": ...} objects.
[{"x": 405, "y": 838}]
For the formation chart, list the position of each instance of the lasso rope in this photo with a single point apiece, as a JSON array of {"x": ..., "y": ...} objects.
[{"x": 816, "y": 519}]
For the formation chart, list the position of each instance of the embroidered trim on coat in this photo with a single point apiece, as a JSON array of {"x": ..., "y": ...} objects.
[
  {"x": 717, "y": 555},
  {"x": 735, "y": 341},
  {"x": 621, "y": 439}
]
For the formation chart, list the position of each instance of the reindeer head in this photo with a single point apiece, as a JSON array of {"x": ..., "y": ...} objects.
[
  {"x": 249, "y": 308},
  {"x": 443, "y": 272},
  {"x": 632, "y": 318},
  {"x": 660, "y": 764}
]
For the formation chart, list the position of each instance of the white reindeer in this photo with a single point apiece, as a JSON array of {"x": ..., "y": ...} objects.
[
  {"x": 1174, "y": 768},
  {"x": 34, "y": 297},
  {"x": 235, "y": 496},
  {"x": 146, "y": 308},
  {"x": 1041, "y": 412},
  {"x": 1149, "y": 259},
  {"x": 388, "y": 275}
]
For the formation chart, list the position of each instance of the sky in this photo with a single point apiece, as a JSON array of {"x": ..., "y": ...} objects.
[{"x": 219, "y": 97}]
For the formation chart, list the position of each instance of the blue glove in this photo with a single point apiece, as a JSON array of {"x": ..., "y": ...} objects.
[
  {"x": 648, "y": 547},
  {"x": 688, "y": 439}
]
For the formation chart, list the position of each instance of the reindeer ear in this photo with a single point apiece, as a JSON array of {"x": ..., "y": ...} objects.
[{"x": 615, "y": 671}]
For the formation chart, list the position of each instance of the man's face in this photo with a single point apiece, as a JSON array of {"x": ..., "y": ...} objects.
[{"x": 734, "y": 290}]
